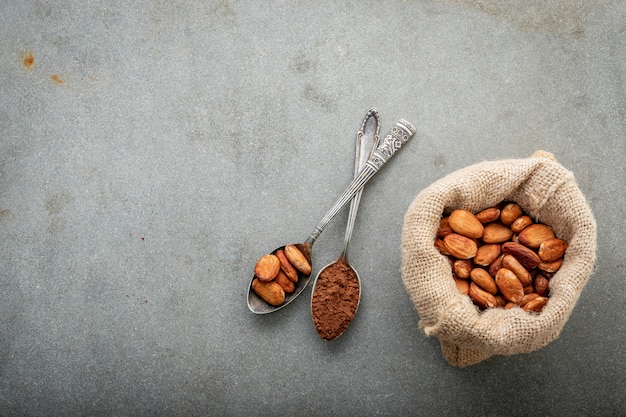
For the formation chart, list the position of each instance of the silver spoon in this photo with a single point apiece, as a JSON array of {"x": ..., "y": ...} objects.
[
  {"x": 333, "y": 311},
  {"x": 399, "y": 135}
]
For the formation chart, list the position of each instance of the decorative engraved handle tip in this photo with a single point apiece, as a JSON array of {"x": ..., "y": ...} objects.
[
  {"x": 407, "y": 126},
  {"x": 399, "y": 135}
]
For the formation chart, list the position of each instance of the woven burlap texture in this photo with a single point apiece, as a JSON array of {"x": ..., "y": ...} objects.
[{"x": 547, "y": 192}]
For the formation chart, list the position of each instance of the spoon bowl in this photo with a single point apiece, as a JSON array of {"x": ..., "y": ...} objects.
[{"x": 259, "y": 306}]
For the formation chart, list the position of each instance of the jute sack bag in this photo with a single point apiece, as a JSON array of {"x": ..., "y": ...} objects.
[{"x": 549, "y": 194}]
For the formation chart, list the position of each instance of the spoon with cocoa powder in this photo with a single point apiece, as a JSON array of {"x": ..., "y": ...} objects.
[
  {"x": 337, "y": 289},
  {"x": 265, "y": 294}
]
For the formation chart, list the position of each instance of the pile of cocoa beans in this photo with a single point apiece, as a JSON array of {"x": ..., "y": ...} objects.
[
  {"x": 500, "y": 257},
  {"x": 276, "y": 274}
]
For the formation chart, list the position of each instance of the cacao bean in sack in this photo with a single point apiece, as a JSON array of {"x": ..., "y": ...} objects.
[{"x": 549, "y": 194}]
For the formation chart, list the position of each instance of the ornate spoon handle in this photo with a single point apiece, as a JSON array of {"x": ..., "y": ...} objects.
[
  {"x": 366, "y": 143},
  {"x": 398, "y": 136}
]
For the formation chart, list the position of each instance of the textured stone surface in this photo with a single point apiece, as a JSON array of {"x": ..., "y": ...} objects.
[{"x": 151, "y": 151}]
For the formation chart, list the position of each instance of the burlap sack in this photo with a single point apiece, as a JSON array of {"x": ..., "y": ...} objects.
[{"x": 548, "y": 193}]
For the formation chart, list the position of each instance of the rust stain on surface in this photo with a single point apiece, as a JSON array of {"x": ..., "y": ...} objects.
[
  {"x": 57, "y": 79},
  {"x": 28, "y": 59}
]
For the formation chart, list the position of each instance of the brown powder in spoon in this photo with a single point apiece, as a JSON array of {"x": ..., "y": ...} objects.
[{"x": 335, "y": 300}]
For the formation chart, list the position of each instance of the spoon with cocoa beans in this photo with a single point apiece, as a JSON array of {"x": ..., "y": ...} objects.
[
  {"x": 337, "y": 288},
  {"x": 280, "y": 276}
]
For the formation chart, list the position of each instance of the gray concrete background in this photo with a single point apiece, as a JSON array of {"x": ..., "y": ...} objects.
[{"x": 155, "y": 150}]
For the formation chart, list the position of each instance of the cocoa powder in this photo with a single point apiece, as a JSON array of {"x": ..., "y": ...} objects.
[{"x": 335, "y": 300}]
